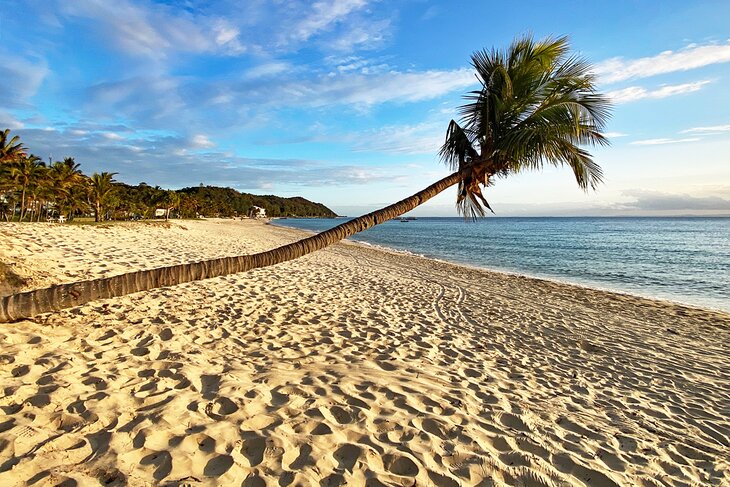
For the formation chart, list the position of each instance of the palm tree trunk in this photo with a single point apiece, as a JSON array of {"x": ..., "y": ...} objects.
[
  {"x": 28, "y": 304},
  {"x": 22, "y": 204}
]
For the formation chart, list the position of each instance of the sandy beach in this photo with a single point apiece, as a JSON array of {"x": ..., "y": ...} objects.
[{"x": 351, "y": 366}]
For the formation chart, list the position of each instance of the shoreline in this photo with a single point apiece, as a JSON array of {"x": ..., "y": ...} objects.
[
  {"x": 585, "y": 285},
  {"x": 347, "y": 366}
]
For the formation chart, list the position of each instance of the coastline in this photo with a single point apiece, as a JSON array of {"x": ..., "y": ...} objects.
[
  {"x": 565, "y": 281},
  {"x": 349, "y": 365}
]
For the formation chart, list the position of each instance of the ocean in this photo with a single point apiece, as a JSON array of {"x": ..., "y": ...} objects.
[{"x": 686, "y": 260}]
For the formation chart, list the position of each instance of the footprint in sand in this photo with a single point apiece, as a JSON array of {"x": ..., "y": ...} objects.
[
  {"x": 347, "y": 456},
  {"x": 253, "y": 480},
  {"x": 20, "y": 371},
  {"x": 297, "y": 457},
  {"x": 513, "y": 422},
  {"x": 400, "y": 465},
  {"x": 166, "y": 334},
  {"x": 161, "y": 461},
  {"x": 5, "y": 426},
  {"x": 249, "y": 452},
  {"x": 219, "y": 408},
  {"x": 430, "y": 426},
  {"x": 218, "y": 466},
  {"x": 336, "y": 414}
]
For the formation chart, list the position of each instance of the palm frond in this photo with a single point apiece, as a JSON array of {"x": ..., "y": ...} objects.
[
  {"x": 457, "y": 149},
  {"x": 537, "y": 104}
]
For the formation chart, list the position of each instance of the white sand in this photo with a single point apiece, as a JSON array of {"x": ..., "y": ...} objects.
[{"x": 349, "y": 366}]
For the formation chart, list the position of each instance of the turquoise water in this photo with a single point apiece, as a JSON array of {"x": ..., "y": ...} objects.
[{"x": 679, "y": 259}]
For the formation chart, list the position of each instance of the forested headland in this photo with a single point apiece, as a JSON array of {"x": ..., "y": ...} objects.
[{"x": 33, "y": 190}]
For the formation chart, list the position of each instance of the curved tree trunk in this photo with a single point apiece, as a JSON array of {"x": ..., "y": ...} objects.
[{"x": 28, "y": 304}]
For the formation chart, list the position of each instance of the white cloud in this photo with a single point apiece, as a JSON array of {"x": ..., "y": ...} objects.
[
  {"x": 323, "y": 15},
  {"x": 664, "y": 141},
  {"x": 393, "y": 86},
  {"x": 157, "y": 31},
  {"x": 7, "y": 121},
  {"x": 112, "y": 136},
  {"x": 712, "y": 130},
  {"x": 613, "y": 135},
  {"x": 365, "y": 35},
  {"x": 227, "y": 37},
  {"x": 20, "y": 79},
  {"x": 202, "y": 142},
  {"x": 425, "y": 138},
  {"x": 267, "y": 69},
  {"x": 634, "y": 93},
  {"x": 691, "y": 57}
]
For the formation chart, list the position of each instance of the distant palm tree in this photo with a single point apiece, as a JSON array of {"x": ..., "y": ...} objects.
[
  {"x": 38, "y": 189},
  {"x": 66, "y": 177},
  {"x": 172, "y": 201},
  {"x": 10, "y": 149},
  {"x": 101, "y": 190},
  {"x": 536, "y": 105},
  {"x": 24, "y": 171}
]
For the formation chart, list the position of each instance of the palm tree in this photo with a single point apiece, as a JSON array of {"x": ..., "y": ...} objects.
[
  {"x": 24, "y": 172},
  {"x": 172, "y": 201},
  {"x": 536, "y": 105},
  {"x": 67, "y": 176},
  {"x": 101, "y": 190},
  {"x": 38, "y": 189},
  {"x": 10, "y": 149}
]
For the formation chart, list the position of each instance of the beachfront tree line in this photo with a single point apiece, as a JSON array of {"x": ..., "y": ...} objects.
[
  {"x": 536, "y": 105},
  {"x": 33, "y": 191}
]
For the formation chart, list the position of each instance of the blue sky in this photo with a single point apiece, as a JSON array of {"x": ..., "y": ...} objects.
[{"x": 345, "y": 102}]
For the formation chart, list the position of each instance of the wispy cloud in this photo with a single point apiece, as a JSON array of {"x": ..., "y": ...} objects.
[
  {"x": 19, "y": 80},
  {"x": 362, "y": 35},
  {"x": 425, "y": 138},
  {"x": 664, "y": 141},
  {"x": 711, "y": 130},
  {"x": 267, "y": 69},
  {"x": 691, "y": 57},
  {"x": 613, "y": 135},
  {"x": 156, "y": 31},
  {"x": 9, "y": 122},
  {"x": 167, "y": 101},
  {"x": 634, "y": 93},
  {"x": 324, "y": 14},
  {"x": 393, "y": 86},
  {"x": 202, "y": 142}
]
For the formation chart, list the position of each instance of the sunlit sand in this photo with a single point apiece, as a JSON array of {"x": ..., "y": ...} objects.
[{"x": 348, "y": 366}]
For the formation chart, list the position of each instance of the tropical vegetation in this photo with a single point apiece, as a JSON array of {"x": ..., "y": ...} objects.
[
  {"x": 536, "y": 105},
  {"x": 31, "y": 190}
]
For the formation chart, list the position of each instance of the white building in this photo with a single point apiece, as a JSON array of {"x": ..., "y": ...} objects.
[{"x": 257, "y": 212}]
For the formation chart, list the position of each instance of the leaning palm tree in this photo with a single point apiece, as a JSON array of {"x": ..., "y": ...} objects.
[
  {"x": 101, "y": 190},
  {"x": 536, "y": 105}
]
